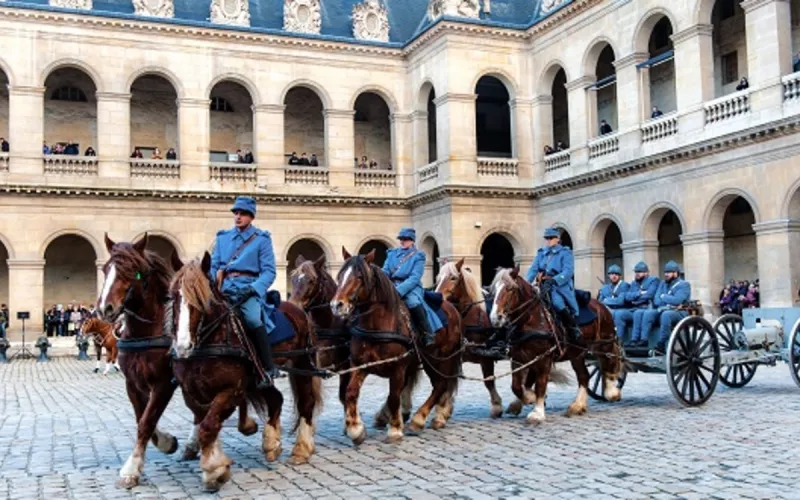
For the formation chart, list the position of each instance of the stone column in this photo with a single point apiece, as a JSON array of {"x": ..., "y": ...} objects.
[
  {"x": 704, "y": 266},
  {"x": 101, "y": 276},
  {"x": 113, "y": 133},
  {"x": 694, "y": 76},
  {"x": 340, "y": 146},
  {"x": 268, "y": 148},
  {"x": 640, "y": 250},
  {"x": 542, "y": 112},
  {"x": 193, "y": 141},
  {"x": 778, "y": 243},
  {"x": 580, "y": 112},
  {"x": 455, "y": 134},
  {"x": 26, "y": 129},
  {"x": 629, "y": 104},
  {"x": 522, "y": 136},
  {"x": 589, "y": 263},
  {"x": 403, "y": 151},
  {"x": 26, "y": 292},
  {"x": 769, "y": 52}
]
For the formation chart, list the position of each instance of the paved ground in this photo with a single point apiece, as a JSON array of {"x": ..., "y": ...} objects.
[{"x": 65, "y": 431}]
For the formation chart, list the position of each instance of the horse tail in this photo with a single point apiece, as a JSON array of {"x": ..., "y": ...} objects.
[
  {"x": 558, "y": 376},
  {"x": 258, "y": 400}
]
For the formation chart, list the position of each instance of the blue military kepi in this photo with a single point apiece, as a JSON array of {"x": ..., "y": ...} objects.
[
  {"x": 615, "y": 269},
  {"x": 245, "y": 204},
  {"x": 672, "y": 267},
  {"x": 551, "y": 232},
  {"x": 407, "y": 233},
  {"x": 641, "y": 267}
]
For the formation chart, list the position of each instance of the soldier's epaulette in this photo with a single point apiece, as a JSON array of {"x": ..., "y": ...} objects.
[
  {"x": 264, "y": 233},
  {"x": 222, "y": 231}
]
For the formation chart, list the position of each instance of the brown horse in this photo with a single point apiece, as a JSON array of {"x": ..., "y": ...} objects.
[
  {"x": 382, "y": 344},
  {"x": 102, "y": 333},
  {"x": 535, "y": 335},
  {"x": 458, "y": 285},
  {"x": 213, "y": 367}
]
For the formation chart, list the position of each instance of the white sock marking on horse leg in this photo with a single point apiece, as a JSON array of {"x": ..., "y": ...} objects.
[
  {"x": 107, "y": 284},
  {"x": 610, "y": 390},
  {"x": 191, "y": 441},
  {"x": 108, "y": 367},
  {"x": 133, "y": 467},
  {"x": 537, "y": 415},
  {"x": 97, "y": 365}
]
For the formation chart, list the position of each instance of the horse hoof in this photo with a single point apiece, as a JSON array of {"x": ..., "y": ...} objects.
[
  {"x": 360, "y": 438},
  {"x": 393, "y": 439},
  {"x": 298, "y": 460},
  {"x": 248, "y": 429},
  {"x": 438, "y": 425},
  {"x": 173, "y": 447},
  {"x": 213, "y": 482},
  {"x": 128, "y": 482},
  {"x": 190, "y": 454},
  {"x": 497, "y": 411},
  {"x": 514, "y": 409},
  {"x": 534, "y": 421},
  {"x": 273, "y": 455},
  {"x": 574, "y": 412},
  {"x": 406, "y": 417}
]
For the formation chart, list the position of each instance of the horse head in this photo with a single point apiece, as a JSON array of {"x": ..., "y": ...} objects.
[
  {"x": 512, "y": 297},
  {"x": 311, "y": 283},
  {"x": 451, "y": 281},
  {"x": 193, "y": 301},
  {"x": 356, "y": 281},
  {"x": 126, "y": 275}
]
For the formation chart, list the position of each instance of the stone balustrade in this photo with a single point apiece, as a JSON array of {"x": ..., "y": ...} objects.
[
  {"x": 659, "y": 128},
  {"x": 498, "y": 167},
  {"x": 70, "y": 165},
  {"x": 604, "y": 145},
  {"x": 314, "y": 176},
  {"x": 557, "y": 160},
  {"x": 791, "y": 87},
  {"x": 375, "y": 178},
  {"x": 155, "y": 169},
  {"x": 429, "y": 172},
  {"x": 3, "y": 162},
  {"x": 727, "y": 107},
  {"x": 232, "y": 172}
]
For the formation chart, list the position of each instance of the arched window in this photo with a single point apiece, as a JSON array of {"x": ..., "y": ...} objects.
[
  {"x": 66, "y": 93},
  {"x": 221, "y": 104}
]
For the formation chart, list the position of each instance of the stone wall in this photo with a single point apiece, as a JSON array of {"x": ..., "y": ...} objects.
[
  {"x": 154, "y": 114},
  {"x": 70, "y": 272},
  {"x": 304, "y": 124}
]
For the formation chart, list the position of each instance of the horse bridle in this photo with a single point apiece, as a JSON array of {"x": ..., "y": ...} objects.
[
  {"x": 124, "y": 307},
  {"x": 518, "y": 308}
]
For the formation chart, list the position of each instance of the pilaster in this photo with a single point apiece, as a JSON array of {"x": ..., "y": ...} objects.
[
  {"x": 193, "y": 140},
  {"x": 340, "y": 146},
  {"x": 26, "y": 135},
  {"x": 26, "y": 292},
  {"x": 113, "y": 133},
  {"x": 778, "y": 244},
  {"x": 704, "y": 266},
  {"x": 268, "y": 120}
]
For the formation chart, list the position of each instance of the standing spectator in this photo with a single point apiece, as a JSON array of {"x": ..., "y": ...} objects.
[
  {"x": 304, "y": 160},
  {"x": 90, "y": 152},
  {"x": 605, "y": 128},
  {"x": 75, "y": 320},
  {"x": 373, "y": 165},
  {"x": 4, "y": 146},
  {"x": 248, "y": 156},
  {"x": 314, "y": 160},
  {"x": 171, "y": 154},
  {"x": 58, "y": 149},
  {"x": 72, "y": 149},
  {"x": 548, "y": 150},
  {"x": 51, "y": 321},
  {"x": 656, "y": 112},
  {"x": 136, "y": 153},
  {"x": 743, "y": 84},
  {"x": 156, "y": 154},
  {"x": 726, "y": 302},
  {"x": 3, "y": 318},
  {"x": 45, "y": 148},
  {"x": 364, "y": 163},
  {"x": 749, "y": 299},
  {"x": 561, "y": 146},
  {"x": 62, "y": 320},
  {"x": 796, "y": 62},
  {"x": 294, "y": 160},
  {"x": 4, "y": 311}
]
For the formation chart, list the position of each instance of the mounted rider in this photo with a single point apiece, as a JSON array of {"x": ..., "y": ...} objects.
[
  {"x": 243, "y": 267},
  {"x": 553, "y": 270},
  {"x": 641, "y": 292},
  {"x": 405, "y": 266},
  {"x": 612, "y": 295},
  {"x": 671, "y": 305}
]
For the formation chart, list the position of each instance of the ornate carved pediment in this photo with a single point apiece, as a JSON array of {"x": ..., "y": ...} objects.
[
  {"x": 302, "y": 16},
  {"x": 154, "y": 8},
  {"x": 454, "y": 8},
  {"x": 371, "y": 21},
  {"x": 233, "y": 12},
  {"x": 549, "y": 6},
  {"x": 72, "y": 4}
]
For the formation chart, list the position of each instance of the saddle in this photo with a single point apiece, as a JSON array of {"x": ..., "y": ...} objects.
[
  {"x": 585, "y": 315},
  {"x": 435, "y": 301}
]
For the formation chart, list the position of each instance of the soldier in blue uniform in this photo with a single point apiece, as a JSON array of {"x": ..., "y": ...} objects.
[
  {"x": 555, "y": 266},
  {"x": 243, "y": 265},
  {"x": 671, "y": 302},
  {"x": 612, "y": 295},
  {"x": 405, "y": 266},
  {"x": 639, "y": 297}
]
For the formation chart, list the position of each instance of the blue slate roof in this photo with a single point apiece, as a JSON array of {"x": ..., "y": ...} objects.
[{"x": 407, "y": 18}]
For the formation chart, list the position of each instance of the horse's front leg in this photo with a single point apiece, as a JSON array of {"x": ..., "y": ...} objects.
[
  {"x": 216, "y": 466},
  {"x": 579, "y": 406},
  {"x": 353, "y": 424},
  {"x": 271, "y": 439},
  {"x": 520, "y": 388},
  {"x": 396, "y": 383},
  {"x": 537, "y": 416},
  {"x": 98, "y": 350},
  {"x": 487, "y": 368}
]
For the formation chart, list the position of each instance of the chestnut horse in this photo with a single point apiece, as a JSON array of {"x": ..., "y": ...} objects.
[
  {"x": 212, "y": 364},
  {"x": 535, "y": 335},
  {"x": 383, "y": 344},
  {"x": 102, "y": 334},
  {"x": 458, "y": 285}
]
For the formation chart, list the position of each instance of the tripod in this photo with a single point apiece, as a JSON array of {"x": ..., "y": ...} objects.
[{"x": 23, "y": 352}]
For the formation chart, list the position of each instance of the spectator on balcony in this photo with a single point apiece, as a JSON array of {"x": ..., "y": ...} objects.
[
  {"x": 561, "y": 146},
  {"x": 796, "y": 62},
  {"x": 156, "y": 154},
  {"x": 45, "y": 148},
  {"x": 137, "y": 153},
  {"x": 248, "y": 157},
  {"x": 656, "y": 112},
  {"x": 304, "y": 160},
  {"x": 58, "y": 149},
  {"x": 90, "y": 152},
  {"x": 72, "y": 149},
  {"x": 548, "y": 150},
  {"x": 743, "y": 84},
  {"x": 294, "y": 160},
  {"x": 4, "y": 146},
  {"x": 605, "y": 128},
  {"x": 314, "y": 160},
  {"x": 171, "y": 154},
  {"x": 364, "y": 163},
  {"x": 373, "y": 165}
]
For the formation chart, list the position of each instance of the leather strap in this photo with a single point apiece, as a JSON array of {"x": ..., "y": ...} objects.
[
  {"x": 223, "y": 273},
  {"x": 403, "y": 261}
]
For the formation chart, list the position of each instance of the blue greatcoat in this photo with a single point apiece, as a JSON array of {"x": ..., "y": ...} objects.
[
  {"x": 613, "y": 296},
  {"x": 558, "y": 263},
  {"x": 407, "y": 279},
  {"x": 640, "y": 302},
  {"x": 258, "y": 259},
  {"x": 669, "y": 297}
]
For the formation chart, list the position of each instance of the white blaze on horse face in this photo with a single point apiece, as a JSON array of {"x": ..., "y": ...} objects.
[
  {"x": 111, "y": 277},
  {"x": 184, "y": 340},
  {"x": 494, "y": 317}
]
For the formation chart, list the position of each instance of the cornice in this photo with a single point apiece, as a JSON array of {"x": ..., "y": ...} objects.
[
  {"x": 29, "y": 264},
  {"x": 639, "y": 245},
  {"x": 277, "y": 109},
  {"x": 542, "y": 100},
  {"x": 446, "y": 26},
  {"x": 691, "y": 32},
  {"x": 561, "y": 15},
  {"x": 189, "y": 102},
  {"x": 450, "y": 191},
  {"x": 587, "y": 253},
  {"x": 401, "y": 117},
  {"x": 339, "y": 113},
  {"x": 751, "y": 5},
  {"x": 580, "y": 83},
  {"x": 453, "y": 97}
]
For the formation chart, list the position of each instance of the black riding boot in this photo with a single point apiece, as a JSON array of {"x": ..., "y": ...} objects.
[
  {"x": 420, "y": 318},
  {"x": 573, "y": 331},
  {"x": 260, "y": 339}
]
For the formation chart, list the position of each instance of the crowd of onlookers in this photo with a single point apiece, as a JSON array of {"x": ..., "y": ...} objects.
[
  {"x": 66, "y": 148},
  {"x": 738, "y": 295},
  {"x": 61, "y": 321},
  {"x": 303, "y": 160},
  {"x": 155, "y": 154}
]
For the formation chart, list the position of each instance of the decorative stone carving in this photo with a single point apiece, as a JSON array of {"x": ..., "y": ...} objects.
[
  {"x": 232, "y": 12},
  {"x": 549, "y": 6},
  {"x": 454, "y": 8},
  {"x": 154, "y": 8},
  {"x": 371, "y": 21},
  {"x": 72, "y": 4},
  {"x": 302, "y": 16}
]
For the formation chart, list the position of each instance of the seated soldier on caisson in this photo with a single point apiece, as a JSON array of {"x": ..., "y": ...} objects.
[
  {"x": 639, "y": 299},
  {"x": 612, "y": 295},
  {"x": 671, "y": 305}
]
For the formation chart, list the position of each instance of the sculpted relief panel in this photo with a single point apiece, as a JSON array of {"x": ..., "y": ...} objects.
[
  {"x": 231, "y": 12},
  {"x": 154, "y": 8},
  {"x": 302, "y": 16},
  {"x": 549, "y": 6},
  {"x": 454, "y": 8},
  {"x": 72, "y": 4},
  {"x": 371, "y": 21}
]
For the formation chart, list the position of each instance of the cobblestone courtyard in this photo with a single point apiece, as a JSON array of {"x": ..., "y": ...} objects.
[{"x": 64, "y": 432}]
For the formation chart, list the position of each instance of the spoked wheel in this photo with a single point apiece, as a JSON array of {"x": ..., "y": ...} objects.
[
  {"x": 693, "y": 360},
  {"x": 596, "y": 380},
  {"x": 794, "y": 353},
  {"x": 735, "y": 376}
]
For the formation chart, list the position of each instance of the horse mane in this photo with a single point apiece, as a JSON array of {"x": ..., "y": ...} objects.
[
  {"x": 471, "y": 282},
  {"x": 195, "y": 287},
  {"x": 129, "y": 261},
  {"x": 503, "y": 276},
  {"x": 383, "y": 290},
  {"x": 96, "y": 325}
]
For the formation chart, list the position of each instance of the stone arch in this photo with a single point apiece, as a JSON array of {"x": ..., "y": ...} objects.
[
  {"x": 69, "y": 62},
  {"x": 319, "y": 240},
  {"x": 372, "y": 130},
  {"x": 311, "y": 248},
  {"x": 494, "y": 117},
  {"x": 231, "y": 122},
  {"x": 790, "y": 208},
  {"x": 607, "y": 234},
  {"x": 734, "y": 215},
  {"x": 312, "y": 86},
  {"x": 500, "y": 74},
  {"x": 592, "y": 54},
  {"x": 304, "y": 124},
  {"x": 9, "y": 248},
  {"x": 6, "y": 253},
  {"x": 99, "y": 250},
  {"x": 567, "y": 239},
  {"x": 6, "y": 68},
  {"x": 599, "y": 227},
  {"x": 70, "y": 270},
  {"x": 380, "y": 244},
  {"x": 648, "y": 229},
  {"x": 173, "y": 240},
  {"x": 252, "y": 89},
  {"x": 507, "y": 232},
  {"x": 426, "y": 103},
  {"x": 386, "y": 240},
  {"x": 496, "y": 250},
  {"x": 664, "y": 224},
  {"x": 702, "y": 11},
  {"x": 646, "y": 24},
  {"x": 430, "y": 245},
  {"x": 162, "y": 72},
  {"x": 154, "y": 114},
  {"x": 424, "y": 91},
  {"x": 387, "y": 96},
  {"x": 547, "y": 76},
  {"x": 715, "y": 211}
]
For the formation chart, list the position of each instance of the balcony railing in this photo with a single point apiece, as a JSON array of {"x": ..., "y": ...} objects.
[
  {"x": 791, "y": 87},
  {"x": 376, "y": 178},
  {"x": 3, "y": 162},
  {"x": 155, "y": 169},
  {"x": 232, "y": 172},
  {"x": 655, "y": 130},
  {"x": 727, "y": 107},
  {"x": 602, "y": 146},
  {"x": 557, "y": 160},
  {"x": 70, "y": 165},
  {"x": 498, "y": 167},
  {"x": 315, "y": 176},
  {"x": 429, "y": 172}
]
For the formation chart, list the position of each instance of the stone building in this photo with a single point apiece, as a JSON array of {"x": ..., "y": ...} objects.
[{"x": 454, "y": 99}]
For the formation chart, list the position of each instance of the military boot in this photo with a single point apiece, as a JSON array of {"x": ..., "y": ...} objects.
[
  {"x": 420, "y": 318},
  {"x": 573, "y": 331},
  {"x": 260, "y": 339}
]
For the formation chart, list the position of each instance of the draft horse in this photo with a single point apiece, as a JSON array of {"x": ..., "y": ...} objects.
[
  {"x": 382, "y": 344},
  {"x": 102, "y": 334},
  {"x": 459, "y": 286},
  {"x": 214, "y": 368},
  {"x": 535, "y": 334}
]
